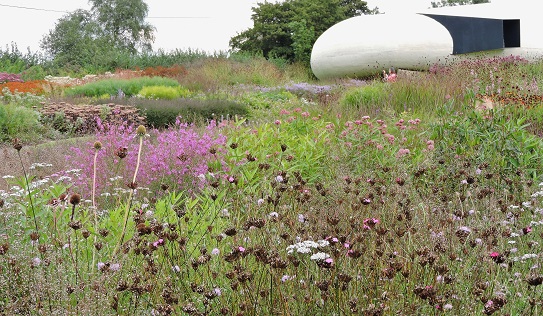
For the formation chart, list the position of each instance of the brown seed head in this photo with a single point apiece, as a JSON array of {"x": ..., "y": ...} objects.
[
  {"x": 97, "y": 145},
  {"x": 17, "y": 144},
  {"x": 75, "y": 199}
]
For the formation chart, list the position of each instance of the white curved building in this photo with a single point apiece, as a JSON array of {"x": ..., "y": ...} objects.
[{"x": 366, "y": 45}]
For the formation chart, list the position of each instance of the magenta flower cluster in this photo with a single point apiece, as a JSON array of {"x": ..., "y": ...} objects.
[
  {"x": 7, "y": 77},
  {"x": 177, "y": 156}
]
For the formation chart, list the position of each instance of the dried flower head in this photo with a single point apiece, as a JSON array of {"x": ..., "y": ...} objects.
[
  {"x": 141, "y": 130},
  {"x": 97, "y": 145},
  {"x": 17, "y": 144},
  {"x": 121, "y": 152},
  {"x": 75, "y": 199}
]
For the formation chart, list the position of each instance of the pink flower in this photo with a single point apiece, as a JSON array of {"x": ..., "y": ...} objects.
[
  {"x": 391, "y": 78},
  {"x": 494, "y": 254},
  {"x": 277, "y": 122},
  {"x": 284, "y": 112},
  {"x": 241, "y": 249},
  {"x": 402, "y": 152}
]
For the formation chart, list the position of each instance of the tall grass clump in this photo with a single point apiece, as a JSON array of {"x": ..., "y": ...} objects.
[
  {"x": 130, "y": 87},
  {"x": 163, "y": 92},
  {"x": 19, "y": 122}
]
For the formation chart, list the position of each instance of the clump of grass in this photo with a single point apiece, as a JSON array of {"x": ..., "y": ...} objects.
[
  {"x": 19, "y": 122},
  {"x": 162, "y": 92},
  {"x": 129, "y": 87}
]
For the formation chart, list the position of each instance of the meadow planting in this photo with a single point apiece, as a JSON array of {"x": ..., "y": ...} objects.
[{"x": 251, "y": 188}]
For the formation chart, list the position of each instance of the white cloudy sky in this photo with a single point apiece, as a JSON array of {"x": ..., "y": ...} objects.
[{"x": 204, "y": 24}]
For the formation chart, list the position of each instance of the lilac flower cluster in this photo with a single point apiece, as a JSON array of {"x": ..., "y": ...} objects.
[{"x": 7, "y": 77}]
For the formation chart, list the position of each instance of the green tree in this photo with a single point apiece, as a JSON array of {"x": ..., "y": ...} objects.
[
  {"x": 123, "y": 21},
  {"x": 75, "y": 39},
  {"x": 451, "y": 3},
  {"x": 96, "y": 38},
  {"x": 289, "y": 29}
]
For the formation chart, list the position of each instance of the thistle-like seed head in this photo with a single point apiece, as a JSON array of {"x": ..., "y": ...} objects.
[
  {"x": 75, "y": 199},
  {"x": 97, "y": 145},
  {"x": 141, "y": 130}
]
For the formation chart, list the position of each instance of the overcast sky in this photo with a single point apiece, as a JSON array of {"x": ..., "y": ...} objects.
[{"x": 205, "y": 25}]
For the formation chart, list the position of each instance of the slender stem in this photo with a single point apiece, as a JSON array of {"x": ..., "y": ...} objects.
[
  {"x": 129, "y": 204},
  {"x": 94, "y": 207},
  {"x": 29, "y": 193}
]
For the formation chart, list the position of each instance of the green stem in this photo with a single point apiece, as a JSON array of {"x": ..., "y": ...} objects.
[
  {"x": 94, "y": 208},
  {"x": 29, "y": 194}
]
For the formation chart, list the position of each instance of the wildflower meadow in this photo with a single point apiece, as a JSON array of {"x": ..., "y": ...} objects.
[{"x": 417, "y": 196}]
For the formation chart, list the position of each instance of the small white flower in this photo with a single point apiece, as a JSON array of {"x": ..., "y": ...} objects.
[
  {"x": 36, "y": 262},
  {"x": 114, "y": 267},
  {"x": 274, "y": 214},
  {"x": 301, "y": 218},
  {"x": 319, "y": 256},
  {"x": 279, "y": 179},
  {"x": 260, "y": 202},
  {"x": 176, "y": 269},
  {"x": 225, "y": 213}
]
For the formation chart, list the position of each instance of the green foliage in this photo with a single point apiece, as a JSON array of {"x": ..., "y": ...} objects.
[
  {"x": 12, "y": 60},
  {"x": 61, "y": 124},
  {"x": 288, "y": 29},
  {"x": 102, "y": 37},
  {"x": 130, "y": 87},
  {"x": 162, "y": 113},
  {"x": 123, "y": 23},
  {"x": 495, "y": 138},
  {"x": 18, "y": 122},
  {"x": 25, "y": 99},
  {"x": 363, "y": 97},
  {"x": 260, "y": 100},
  {"x": 163, "y": 92},
  {"x": 303, "y": 38}
]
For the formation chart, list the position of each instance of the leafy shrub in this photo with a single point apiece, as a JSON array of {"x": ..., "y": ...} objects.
[
  {"x": 18, "y": 122},
  {"x": 35, "y": 72},
  {"x": 20, "y": 98},
  {"x": 129, "y": 87},
  {"x": 163, "y": 92},
  {"x": 161, "y": 113}
]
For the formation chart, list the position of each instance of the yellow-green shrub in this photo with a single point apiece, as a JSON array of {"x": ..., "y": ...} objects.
[{"x": 163, "y": 92}]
